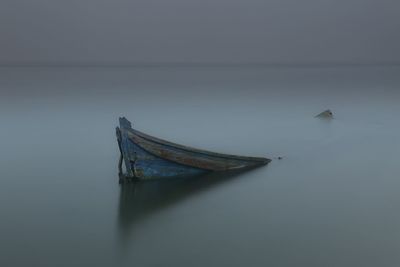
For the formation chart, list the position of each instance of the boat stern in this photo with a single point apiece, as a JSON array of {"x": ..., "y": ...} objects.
[{"x": 125, "y": 147}]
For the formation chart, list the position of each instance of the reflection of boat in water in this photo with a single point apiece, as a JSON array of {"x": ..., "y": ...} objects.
[
  {"x": 147, "y": 157},
  {"x": 138, "y": 199}
]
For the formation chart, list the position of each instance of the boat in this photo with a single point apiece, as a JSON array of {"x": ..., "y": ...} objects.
[{"x": 147, "y": 157}]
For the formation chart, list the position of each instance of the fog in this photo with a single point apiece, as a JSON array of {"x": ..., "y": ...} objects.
[{"x": 92, "y": 32}]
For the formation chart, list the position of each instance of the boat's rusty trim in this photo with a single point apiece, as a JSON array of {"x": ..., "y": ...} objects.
[{"x": 193, "y": 157}]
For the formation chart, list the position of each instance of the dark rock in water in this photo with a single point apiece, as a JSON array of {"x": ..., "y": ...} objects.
[{"x": 325, "y": 114}]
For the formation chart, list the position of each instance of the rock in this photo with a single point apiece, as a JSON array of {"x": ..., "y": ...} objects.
[{"x": 325, "y": 114}]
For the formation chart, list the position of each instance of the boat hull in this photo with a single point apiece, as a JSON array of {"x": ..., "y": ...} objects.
[{"x": 147, "y": 157}]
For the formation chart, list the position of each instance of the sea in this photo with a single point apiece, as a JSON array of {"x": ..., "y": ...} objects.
[{"x": 333, "y": 199}]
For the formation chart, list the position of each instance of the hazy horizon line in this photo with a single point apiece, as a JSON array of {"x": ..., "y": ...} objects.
[{"x": 196, "y": 64}]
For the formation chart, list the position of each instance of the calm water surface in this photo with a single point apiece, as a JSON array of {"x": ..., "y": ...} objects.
[{"x": 332, "y": 201}]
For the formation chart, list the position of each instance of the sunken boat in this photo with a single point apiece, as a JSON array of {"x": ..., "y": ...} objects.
[{"x": 147, "y": 157}]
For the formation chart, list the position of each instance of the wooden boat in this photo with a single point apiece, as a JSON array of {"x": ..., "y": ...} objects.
[{"x": 148, "y": 157}]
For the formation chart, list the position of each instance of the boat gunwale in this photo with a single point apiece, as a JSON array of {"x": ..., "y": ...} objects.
[{"x": 163, "y": 142}]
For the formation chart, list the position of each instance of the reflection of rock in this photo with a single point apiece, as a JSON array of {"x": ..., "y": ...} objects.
[{"x": 325, "y": 114}]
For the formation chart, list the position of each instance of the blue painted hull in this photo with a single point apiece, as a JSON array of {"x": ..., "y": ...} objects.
[{"x": 147, "y": 157}]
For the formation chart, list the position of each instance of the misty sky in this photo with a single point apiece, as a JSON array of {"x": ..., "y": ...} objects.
[{"x": 227, "y": 31}]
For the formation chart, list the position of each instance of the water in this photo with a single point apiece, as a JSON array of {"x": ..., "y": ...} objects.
[{"x": 331, "y": 201}]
